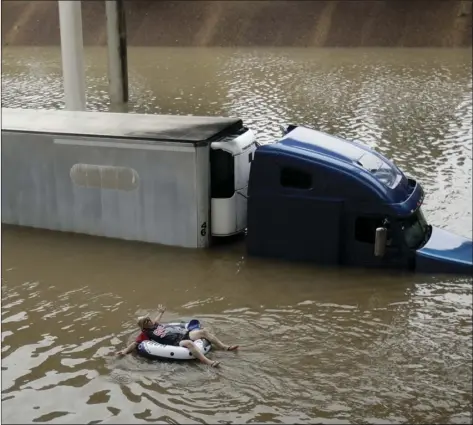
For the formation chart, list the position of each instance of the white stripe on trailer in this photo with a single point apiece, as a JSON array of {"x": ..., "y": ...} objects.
[{"x": 162, "y": 147}]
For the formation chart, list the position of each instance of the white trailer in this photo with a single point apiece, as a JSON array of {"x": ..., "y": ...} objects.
[{"x": 172, "y": 180}]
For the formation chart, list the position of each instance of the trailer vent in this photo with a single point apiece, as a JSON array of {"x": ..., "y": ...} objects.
[{"x": 104, "y": 177}]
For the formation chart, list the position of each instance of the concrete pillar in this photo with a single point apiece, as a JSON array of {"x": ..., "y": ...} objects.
[
  {"x": 72, "y": 52},
  {"x": 117, "y": 55}
]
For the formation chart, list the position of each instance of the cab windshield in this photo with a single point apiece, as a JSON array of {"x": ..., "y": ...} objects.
[
  {"x": 380, "y": 169},
  {"x": 415, "y": 230}
]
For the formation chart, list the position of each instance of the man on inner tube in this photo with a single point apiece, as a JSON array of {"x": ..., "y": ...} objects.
[{"x": 154, "y": 331}]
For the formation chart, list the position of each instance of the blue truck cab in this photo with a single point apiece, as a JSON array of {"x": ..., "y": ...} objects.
[{"x": 322, "y": 199}]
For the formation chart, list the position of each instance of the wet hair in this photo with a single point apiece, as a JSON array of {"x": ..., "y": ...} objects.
[{"x": 142, "y": 320}]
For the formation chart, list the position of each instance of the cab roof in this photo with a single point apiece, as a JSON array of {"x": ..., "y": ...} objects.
[
  {"x": 354, "y": 158},
  {"x": 306, "y": 139}
]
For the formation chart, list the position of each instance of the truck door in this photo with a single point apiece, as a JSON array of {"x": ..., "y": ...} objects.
[
  {"x": 230, "y": 163},
  {"x": 359, "y": 249}
]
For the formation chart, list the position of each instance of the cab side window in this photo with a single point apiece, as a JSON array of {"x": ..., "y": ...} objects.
[{"x": 295, "y": 178}]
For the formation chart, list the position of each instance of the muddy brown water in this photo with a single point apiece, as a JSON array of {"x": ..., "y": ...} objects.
[{"x": 317, "y": 345}]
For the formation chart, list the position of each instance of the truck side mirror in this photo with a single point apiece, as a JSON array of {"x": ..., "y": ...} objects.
[{"x": 380, "y": 241}]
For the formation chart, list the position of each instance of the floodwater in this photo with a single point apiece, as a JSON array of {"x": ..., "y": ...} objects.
[{"x": 317, "y": 346}]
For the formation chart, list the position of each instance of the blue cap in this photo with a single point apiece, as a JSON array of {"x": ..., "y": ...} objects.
[{"x": 193, "y": 325}]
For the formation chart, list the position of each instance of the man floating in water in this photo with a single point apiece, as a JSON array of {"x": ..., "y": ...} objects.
[{"x": 182, "y": 337}]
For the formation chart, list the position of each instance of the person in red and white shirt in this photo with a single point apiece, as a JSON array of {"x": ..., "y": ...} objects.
[{"x": 168, "y": 335}]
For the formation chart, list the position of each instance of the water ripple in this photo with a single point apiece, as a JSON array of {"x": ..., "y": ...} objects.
[{"x": 316, "y": 347}]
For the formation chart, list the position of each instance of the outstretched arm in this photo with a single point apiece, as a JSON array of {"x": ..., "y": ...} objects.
[
  {"x": 128, "y": 349},
  {"x": 161, "y": 310}
]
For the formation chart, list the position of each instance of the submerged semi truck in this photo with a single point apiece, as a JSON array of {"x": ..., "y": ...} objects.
[{"x": 186, "y": 180}]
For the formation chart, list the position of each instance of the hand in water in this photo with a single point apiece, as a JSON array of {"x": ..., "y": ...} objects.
[
  {"x": 120, "y": 353},
  {"x": 161, "y": 308}
]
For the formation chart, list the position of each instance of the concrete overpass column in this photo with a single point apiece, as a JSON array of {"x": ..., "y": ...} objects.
[
  {"x": 117, "y": 55},
  {"x": 72, "y": 52}
]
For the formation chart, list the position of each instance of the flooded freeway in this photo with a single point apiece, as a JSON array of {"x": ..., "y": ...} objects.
[{"x": 317, "y": 345}]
